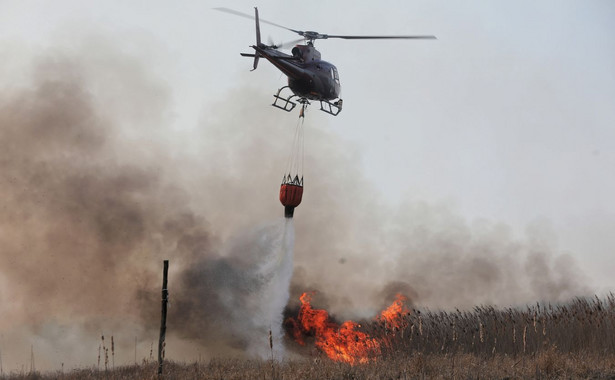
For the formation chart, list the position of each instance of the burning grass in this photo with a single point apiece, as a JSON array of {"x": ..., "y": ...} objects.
[
  {"x": 582, "y": 326},
  {"x": 343, "y": 343},
  {"x": 575, "y": 340}
]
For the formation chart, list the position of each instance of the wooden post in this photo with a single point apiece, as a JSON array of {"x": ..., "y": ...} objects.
[{"x": 163, "y": 320}]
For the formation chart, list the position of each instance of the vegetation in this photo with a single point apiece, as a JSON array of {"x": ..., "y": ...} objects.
[
  {"x": 546, "y": 365},
  {"x": 575, "y": 340},
  {"x": 582, "y": 326}
]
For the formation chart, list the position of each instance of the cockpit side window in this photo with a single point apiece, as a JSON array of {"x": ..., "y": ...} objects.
[{"x": 334, "y": 75}]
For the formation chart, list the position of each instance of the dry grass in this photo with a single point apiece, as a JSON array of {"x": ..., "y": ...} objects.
[
  {"x": 569, "y": 341},
  {"x": 582, "y": 326},
  {"x": 548, "y": 365}
]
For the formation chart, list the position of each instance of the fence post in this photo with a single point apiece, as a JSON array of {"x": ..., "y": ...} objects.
[{"x": 163, "y": 320}]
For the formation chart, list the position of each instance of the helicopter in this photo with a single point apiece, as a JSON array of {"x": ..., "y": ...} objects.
[{"x": 309, "y": 77}]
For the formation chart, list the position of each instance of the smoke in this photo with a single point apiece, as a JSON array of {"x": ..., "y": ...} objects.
[
  {"x": 97, "y": 189},
  {"x": 93, "y": 202},
  {"x": 238, "y": 299}
]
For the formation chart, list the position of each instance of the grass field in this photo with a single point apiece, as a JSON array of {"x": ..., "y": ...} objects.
[
  {"x": 575, "y": 340},
  {"x": 546, "y": 365}
]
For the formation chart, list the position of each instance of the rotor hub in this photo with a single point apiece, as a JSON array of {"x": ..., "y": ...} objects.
[{"x": 311, "y": 35}]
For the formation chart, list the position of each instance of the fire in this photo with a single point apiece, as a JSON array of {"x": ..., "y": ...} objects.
[
  {"x": 392, "y": 315},
  {"x": 345, "y": 342}
]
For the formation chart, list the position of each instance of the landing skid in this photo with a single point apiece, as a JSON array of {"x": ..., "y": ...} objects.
[
  {"x": 287, "y": 104},
  {"x": 331, "y": 108}
]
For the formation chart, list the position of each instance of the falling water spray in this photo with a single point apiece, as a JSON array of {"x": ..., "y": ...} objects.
[{"x": 256, "y": 287}]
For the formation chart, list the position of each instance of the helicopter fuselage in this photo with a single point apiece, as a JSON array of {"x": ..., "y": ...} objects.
[{"x": 308, "y": 76}]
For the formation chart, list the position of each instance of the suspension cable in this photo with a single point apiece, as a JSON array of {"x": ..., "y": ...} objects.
[{"x": 297, "y": 156}]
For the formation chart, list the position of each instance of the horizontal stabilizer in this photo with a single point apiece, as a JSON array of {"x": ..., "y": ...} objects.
[{"x": 287, "y": 58}]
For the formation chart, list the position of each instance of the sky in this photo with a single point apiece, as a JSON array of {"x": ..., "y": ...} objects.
[
  {"x": 505, "y": 120},
  {"x": 508, "y": 116}
]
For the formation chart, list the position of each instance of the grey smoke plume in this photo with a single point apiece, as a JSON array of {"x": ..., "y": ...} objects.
[
  {"x": 234, "y": 301},
  {"x": 96, "y": 190},
  {"x": 92, "y": 203}
]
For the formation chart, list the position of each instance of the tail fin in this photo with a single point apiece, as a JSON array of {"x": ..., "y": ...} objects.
[
  {"x": 258, "y": 37},
  {"x": 256, "y": 55}
]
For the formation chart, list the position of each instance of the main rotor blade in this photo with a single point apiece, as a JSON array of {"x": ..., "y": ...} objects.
[
  {"x": 310, "y": 35},
  {"x": 241, "y": 14},
  {"x": 382, "y": 37}
]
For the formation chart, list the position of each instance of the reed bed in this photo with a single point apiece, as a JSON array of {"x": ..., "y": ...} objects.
[
  {"x": 581, "y": 326},
  {"x": 574, "y": 340}
]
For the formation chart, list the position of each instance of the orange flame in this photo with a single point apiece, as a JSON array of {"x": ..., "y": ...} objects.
[
  {"x": 393, "y": 315},
  {"x": 344, "y": 343}
]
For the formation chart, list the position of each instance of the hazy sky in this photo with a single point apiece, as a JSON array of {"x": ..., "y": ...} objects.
[{"x": 508, "y": 116}]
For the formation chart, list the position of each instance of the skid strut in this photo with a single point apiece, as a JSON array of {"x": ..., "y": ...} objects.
[
  {"x": 286, "y": 103},
  {"x": 331, "y": 108}
]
